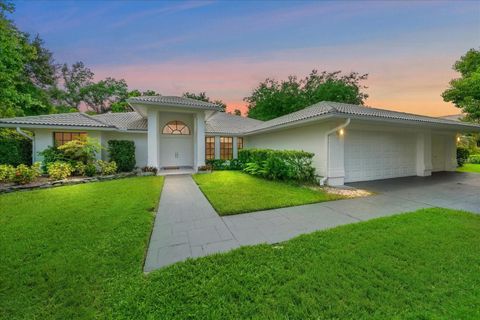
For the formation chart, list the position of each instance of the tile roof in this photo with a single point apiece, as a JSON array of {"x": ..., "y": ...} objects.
[
  {"x": 63, "y": 119},
  {"x": 229, "y": 124},
  {"x": 222, "y": 122},
  {"x": 173, "y": 101}
]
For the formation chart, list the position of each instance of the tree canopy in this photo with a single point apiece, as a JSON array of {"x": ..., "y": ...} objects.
[
  {"x": 273, "y": 98},
  {"x": 464, "y": 91},
  {"x": 202, "y": 96}
]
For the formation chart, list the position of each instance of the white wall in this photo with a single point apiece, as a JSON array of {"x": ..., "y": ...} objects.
[
  {"x": 444, "y": 152},
  {"x": 310, "y": 138}
]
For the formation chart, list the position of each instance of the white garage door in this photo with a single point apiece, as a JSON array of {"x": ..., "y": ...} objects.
[{"x": 379, "y": 155}]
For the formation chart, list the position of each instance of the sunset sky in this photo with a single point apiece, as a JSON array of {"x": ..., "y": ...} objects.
[{"x": 227, "y": 48}]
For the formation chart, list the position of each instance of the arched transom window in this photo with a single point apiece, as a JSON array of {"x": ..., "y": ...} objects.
[{"x": 176, "y": 127}]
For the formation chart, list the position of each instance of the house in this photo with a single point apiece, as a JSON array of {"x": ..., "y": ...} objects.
[{"x": 350, "y": 142}]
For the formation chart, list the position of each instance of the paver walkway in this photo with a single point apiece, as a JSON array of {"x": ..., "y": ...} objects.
[{"x": 186, "y": 225}]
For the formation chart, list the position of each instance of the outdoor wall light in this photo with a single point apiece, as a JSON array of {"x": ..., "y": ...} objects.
[
  {"x": 458, "y": 139},
  {"x": 341, "y": 132}
]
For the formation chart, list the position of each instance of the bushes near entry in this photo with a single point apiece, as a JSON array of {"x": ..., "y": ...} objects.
[
  {"x": 222, "y": 164},
  {"x": 462, "y": 156},
  {"x": 15, "y": 149},
  {"x": 278, "y": 164},
  {"x": 123, "y": 153},
  {"x": 106, "y": 168},
  {"x": 25, "y": 174}
]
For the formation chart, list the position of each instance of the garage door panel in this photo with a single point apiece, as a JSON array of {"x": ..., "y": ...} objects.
[{"x": 377, "y": 155}]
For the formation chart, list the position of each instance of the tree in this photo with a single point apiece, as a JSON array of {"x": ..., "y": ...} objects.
[
  {"x": 237, "y": 112},
  {"x": 75, "y": 79},
  {"x": 271, "y": 98},
  {"x": 19, "y": 70},
  {"x": 464, "y": 92},
  {"x": 123, "y": 106},
  {"x": 202, "y": 96},
  {"x": 101, "y": 95}
]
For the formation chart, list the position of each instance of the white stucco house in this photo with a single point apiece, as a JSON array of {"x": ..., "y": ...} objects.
[{"x": 350, "y": 142}]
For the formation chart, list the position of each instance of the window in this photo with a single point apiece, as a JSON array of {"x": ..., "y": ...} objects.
[
  {"x": 176, "y": 127},
  {"x": 226, "y": 148},
  {"x": 209, "y": 148},
  {"x": 239, "y": 143},
  {"x": 64, "y": 137}
]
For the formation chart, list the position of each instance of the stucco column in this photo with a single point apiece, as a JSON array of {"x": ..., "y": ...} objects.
[
  {"x": 200, "y": 143},
  {"x": 336, "y": 159},
  {"x": 451, "y": 153},
  {"x": 153, "y": 138},
  {"x": 235, "y": 148},
  {"x": 424, "y": 154},
  {"x": 217, "y": 147}
]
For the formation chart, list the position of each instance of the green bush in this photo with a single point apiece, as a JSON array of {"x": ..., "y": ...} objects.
[
  {"x": 25, "y": 174},
  {"x": 83, "y": 149},
  {"x": 79, "y": 169},
  {"x": 278, "y": 164},
  {"x": 7, "y": 172},
  {"x": 90, "y": 169},
  {"x": 50, "y": 155},
  {"x": 220, "y": 164},
  {"x": 462, "y": 156},
  {"x": 15, "y": 149},
  {"x": 107, "y": 168},
  {"x": 123, "y": 153},
  {"x": 59, "y": 170},
  {"x": 474, "y": 158}
]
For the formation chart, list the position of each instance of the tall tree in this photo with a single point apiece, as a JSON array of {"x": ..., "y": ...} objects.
[
  {"x": 75, "y": 79},
  {"x": 122, "y": 104},
  {"x": 272, "y": 98},
  {"x": 20, "y": 74},
  {"x": 464, "y": 92},
  {"x": 202, "y": 96},
  {"x": 101, "y": 95}
]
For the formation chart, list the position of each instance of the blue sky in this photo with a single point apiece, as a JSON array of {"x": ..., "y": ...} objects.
[{"x": 226, "y": 48}]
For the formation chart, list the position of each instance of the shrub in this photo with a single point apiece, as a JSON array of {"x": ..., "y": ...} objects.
[
  {"x": 150, "y": 169},
  {"x": 107, "y": 168},
  {"x": 474, "y": 158},
  {"x": 90, "y": 169},
  {"x": 123, "y": 153},
  {"x": 25, "y": 174},
  {"x": 50, "y": 155},
  {"x": 59, "y": 170},
  {"x": 462, "y": 156},
  {"x": 15, "y": 149},
  {"x": 278, "y": 164},
  {"x": 220, "y": 164},
  {"x": 6, "y": 172},
  {"x": 79, "y": 169},
  {"x": 82, "y": 149}
]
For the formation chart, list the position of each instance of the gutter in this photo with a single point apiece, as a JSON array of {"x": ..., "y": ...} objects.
[
  {"x": 31, "y": 139},
  {"x": 342, "y": 126}
]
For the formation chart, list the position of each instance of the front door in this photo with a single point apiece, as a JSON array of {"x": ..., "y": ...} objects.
[{"x": 176, "y": 151}]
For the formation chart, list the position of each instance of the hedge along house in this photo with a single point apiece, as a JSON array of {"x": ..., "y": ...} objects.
[{"x": 350, "y": 142}]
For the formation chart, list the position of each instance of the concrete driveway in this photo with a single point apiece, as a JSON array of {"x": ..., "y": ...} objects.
[
  {"x": 454, "y": 190},
  {"x": 186, "y": 225}
]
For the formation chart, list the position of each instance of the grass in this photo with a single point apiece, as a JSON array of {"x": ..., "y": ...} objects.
[
  {"x": 232, "y": 192},
  {"x": 76, "y": 253},
  {"x": 469, "y": 167}
]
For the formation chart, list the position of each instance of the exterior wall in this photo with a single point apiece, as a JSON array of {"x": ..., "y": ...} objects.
[
  {"x": 444, "y": 156},
  {"x": 310, "y": 138},
  {"x": 140, "y": 140}
]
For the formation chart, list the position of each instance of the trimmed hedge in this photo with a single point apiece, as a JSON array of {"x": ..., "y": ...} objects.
[
  {"x": 123, "y": 153},
  {"x": 15, "y": 149},
  {"x": 278, "y": 164},
  {"x": 462, "y": 156},
  {"x": 474, "y": 158},
  {"x": 220, "y": 164}
]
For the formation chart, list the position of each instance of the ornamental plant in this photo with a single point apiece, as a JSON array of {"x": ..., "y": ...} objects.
[
  {"x": 25, "y": 174},
  {"x": 6, "y": 173},
  {"x": 122, "y": 152},
  {"x": 83, "y": 149},
  {"x": 107, "y": 168},
  {"x": 60, "y": 170}
]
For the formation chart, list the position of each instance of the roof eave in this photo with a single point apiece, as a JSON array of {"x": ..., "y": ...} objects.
[{"x": 53, "y": 126}]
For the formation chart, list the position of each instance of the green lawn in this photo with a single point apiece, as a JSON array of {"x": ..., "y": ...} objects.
[
  {"x": 232, "y": 192},
  {"x": 469, "y": 167},
  {"x": 76, "y": 252}
]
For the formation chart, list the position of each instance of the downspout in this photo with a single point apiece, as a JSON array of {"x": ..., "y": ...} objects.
[
  {"x": 342, "y": 126},
  {"x": 28, "y": 137}
]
